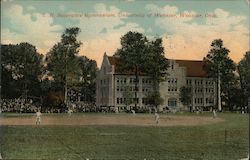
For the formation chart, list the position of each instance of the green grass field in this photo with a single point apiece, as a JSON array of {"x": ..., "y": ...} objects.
[{"x": 227, "y": 140}]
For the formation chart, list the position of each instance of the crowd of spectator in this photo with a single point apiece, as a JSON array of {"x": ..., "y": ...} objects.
[{"x": 18, "y": 105}]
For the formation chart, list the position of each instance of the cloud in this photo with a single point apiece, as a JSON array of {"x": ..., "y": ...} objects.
[
  {"x": 95, "y": 40},
  {"x": 62, "y": 7},
  {"x": 31, "y": 8},
  {"x": 98, "y": 34},
  {"x": 186, "y": 39},
  {"x": 8, "y": 0},
  {"x": 39, "y": 31}
]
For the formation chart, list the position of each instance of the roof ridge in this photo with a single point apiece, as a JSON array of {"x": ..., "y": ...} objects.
[{"x": 188, "y": 60}]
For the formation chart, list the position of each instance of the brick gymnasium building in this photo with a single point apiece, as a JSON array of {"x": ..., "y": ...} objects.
[{"x": 112, "y": 84}]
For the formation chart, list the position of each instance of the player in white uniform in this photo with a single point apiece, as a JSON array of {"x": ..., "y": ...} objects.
[
  {"x": 70, "y": 112},
  {"x": 38, "y": 117},
  {"x": 214, "y": 113},
  {"x": 133, "y": 111},
  {"x": 157, "y": 118}
]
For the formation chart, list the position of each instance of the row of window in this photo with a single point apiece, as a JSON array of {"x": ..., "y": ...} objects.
[
  {"x": 121, "y": 80},
  {"x": 130, "y": 100},
  {"x": 200, "y": 101},
  {"x": 133, "y": 80},
  {"x": 199, "y": 82},
  {"x": 200, "y": 90},
  {"x": 131, "y": 88},
  {"x": 172, "y": 89},
  {"x": 126, "y": 100},
  {"x": 172, "y": 81}
]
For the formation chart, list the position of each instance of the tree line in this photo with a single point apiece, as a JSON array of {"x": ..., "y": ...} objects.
[
  {"x": 232, "y": 79},
  {"x": 51, "y": 77},
  {"x": 48, "y": 79}
]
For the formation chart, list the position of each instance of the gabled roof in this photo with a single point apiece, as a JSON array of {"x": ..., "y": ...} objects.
[
  {"x": 193, "y": 68},
  {"x": 115, "y": 61}
]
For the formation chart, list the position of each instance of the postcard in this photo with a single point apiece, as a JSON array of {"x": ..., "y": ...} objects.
[{"x": 124, "y": 80}]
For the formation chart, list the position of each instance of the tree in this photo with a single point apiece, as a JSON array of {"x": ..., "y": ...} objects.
[
  {"x": 154, "y": 99},
  {"x": 61, "y": 61},
  {"x": 22, "y": 67},
  {"x": 128, "y": 95},
  {"x": 244, "y": 77},
  {"x": 186, "y": 96},
  {"x": 156, "y": 64},
  {"x": 220, "y": 66},
  {"x": 133, "y": 53},
  {"x": 141, "y": 56},
  {"x": 87, "y": 83}
]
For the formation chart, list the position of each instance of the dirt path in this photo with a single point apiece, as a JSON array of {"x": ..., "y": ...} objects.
[{"x": 132, "y": 120}]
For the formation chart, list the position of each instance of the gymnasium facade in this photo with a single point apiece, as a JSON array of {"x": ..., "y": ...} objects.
[{"x": 114, "y": 87}]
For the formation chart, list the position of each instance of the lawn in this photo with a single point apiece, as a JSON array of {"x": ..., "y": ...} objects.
[{"x": 227, "y": 140}]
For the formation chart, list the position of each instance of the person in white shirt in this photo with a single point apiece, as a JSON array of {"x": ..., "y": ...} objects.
[
  {"x": 38, "y": 117},
  {"x": 157, "y": 118},
  {"x": 70, "y": 112},
  {"x": 133, "y": 111},
  {"x": 214, "y": 113}
]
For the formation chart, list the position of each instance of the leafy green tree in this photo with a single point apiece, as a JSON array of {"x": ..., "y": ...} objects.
[
  {"x": 61, "y": 61},
  {"x": 186, "y": 96},
  {"x": 154, "y": 99},
  {"x": 140, "y": 56},
  {"x": 244, "y": 77},
  {"x": 220, "y": 66},
  {"x": 156, "y": 64},
  {"x": 128, "y": 95},
  {"x": 133, "y": 53},
  {"x": 87, "y": 83},
  {"x": 22, "y": 70}
]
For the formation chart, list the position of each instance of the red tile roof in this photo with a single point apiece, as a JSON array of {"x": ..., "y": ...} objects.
[
  {"x": 193, "y": 68},
  {"x": 113, "y": 60},
  {"x": 116, "y": 62}
]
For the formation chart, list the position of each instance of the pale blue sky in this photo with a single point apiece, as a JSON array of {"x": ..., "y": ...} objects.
[{"x": 39, "y": 22}]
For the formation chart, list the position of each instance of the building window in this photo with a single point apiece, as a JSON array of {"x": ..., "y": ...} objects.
[
  {"x": 172, "y": 102},
  {"x": 117, "y": 100}
]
